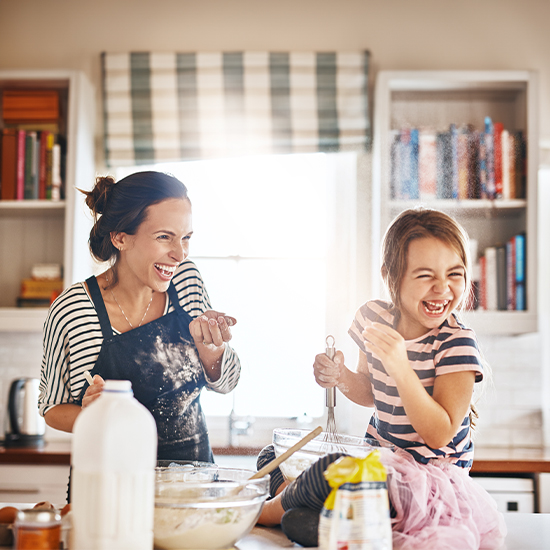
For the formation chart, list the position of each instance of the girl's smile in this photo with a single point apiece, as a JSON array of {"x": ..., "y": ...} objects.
[{"x": 432, "y": 287}]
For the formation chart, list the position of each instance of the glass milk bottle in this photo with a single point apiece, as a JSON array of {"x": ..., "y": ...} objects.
[{"x": 114, "y": 452}]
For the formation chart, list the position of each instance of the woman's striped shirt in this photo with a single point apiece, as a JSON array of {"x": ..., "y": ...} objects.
[
  {"x": 447, "y": 349},
  {"x": 72, "y": 339}
]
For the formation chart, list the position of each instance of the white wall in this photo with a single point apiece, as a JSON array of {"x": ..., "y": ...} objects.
[{"x": 411, "y": 34}]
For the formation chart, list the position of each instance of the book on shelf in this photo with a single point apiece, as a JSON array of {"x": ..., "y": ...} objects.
[
  {"x": 491, "y": 278},
  {"x": 40, "y": 288},
  {"x": 30, "y": 105},
  {"x": 472, "y": 152},
  {"x": 46, "y": 271},
  {"x": 444, "y": 165},
  {"x": 458, "y": 163},
  {"x": 498, "y": 128},
  {"x": 502, "y": 297},
  {"x": 489, "y": 165},
  {"x": 511, "y": 274},
  {"x": 30, "y": 165},
  {"x": 502, "y": 279},
  {"x": 8, "y": 184},
  {"x": 30, "y": 168},
  {"x": 427, "y": 174},
  {"x": 20, "y": 163},
  {"x": 482, "y": 283},
  {"x": 520, "y": 268},
  {"x": 56, "y": 173},
  {"x": 462, "y": 164}
]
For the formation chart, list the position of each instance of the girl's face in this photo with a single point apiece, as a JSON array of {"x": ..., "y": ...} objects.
[
  {"x": 432, "y": 287},
  {"x": 161, "y": 243}
]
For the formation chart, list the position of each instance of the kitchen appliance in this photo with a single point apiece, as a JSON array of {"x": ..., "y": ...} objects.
[{"x": 24, "y": 426}]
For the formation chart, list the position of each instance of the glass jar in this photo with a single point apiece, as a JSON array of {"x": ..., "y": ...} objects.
[{"x": 37, "y": 529}]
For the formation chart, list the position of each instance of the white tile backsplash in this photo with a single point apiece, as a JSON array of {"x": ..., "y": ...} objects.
[
  {"x": 20, "y": 356},
  {"x": 510, "y": 407}
]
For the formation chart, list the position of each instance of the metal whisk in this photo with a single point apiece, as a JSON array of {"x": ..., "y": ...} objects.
[{"x": 331, "y": 433}]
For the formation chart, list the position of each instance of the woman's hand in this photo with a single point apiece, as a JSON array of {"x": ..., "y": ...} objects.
[
  {"x": 327, "y": 372},
  {"x": 211, "y": 329},
  {"x": 389, "y": 346},
  {"x": 94, "y": 391},
  {"x": 210, "y": 332}
]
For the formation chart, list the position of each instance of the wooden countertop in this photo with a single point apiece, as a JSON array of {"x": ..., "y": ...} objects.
[
  {"x": 506, "y": 460},
  {"x": 52, "y": 453},
  {"x": 487, "y": 460},
  {"x": 59, "y": 452}
]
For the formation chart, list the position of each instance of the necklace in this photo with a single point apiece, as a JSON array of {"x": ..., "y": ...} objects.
[{"x": 122, "y": 311}]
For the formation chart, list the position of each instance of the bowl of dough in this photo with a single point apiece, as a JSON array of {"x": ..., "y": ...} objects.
[
  {"x": 205, "y": 507},
  {"x": 324, "y": 443}
]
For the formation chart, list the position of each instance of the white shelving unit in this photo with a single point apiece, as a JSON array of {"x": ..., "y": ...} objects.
[
  {"x": 35, "y": 231},
  {"x": 436, "y": 99}
]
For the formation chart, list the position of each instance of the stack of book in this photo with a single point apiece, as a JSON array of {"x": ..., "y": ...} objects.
[
  {"x": 32, "y": 149},
  {"x": 42, "y": 288},
  {"x": 502, "y": 272},
  {"x": 461, "y": 163}
]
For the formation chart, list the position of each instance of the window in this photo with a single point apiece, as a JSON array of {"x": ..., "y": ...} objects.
[{"x": 274, "y": 240}]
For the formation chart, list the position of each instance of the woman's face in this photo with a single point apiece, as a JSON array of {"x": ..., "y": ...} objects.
[
  {"x": 432, "y": 287},
  {"x": 160, "y": 244}
]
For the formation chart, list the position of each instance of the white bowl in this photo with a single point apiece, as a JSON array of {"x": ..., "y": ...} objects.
[
  {"x": 324, "y": 443},
  {"x": 205, "y": 507}
]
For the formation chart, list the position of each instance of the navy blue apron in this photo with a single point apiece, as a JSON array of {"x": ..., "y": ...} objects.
[{"x": 162, "y": 362}]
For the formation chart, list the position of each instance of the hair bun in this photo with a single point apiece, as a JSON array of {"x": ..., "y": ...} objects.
[{"x": 97, "y": 198}]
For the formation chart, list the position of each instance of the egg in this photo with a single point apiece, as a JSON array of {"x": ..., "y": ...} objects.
[
  {"x": 46, "y": 505},
  {"x": 7, "y": 514}
]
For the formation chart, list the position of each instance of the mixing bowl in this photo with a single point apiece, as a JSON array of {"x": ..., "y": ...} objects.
[
  {"x": 284, "y": 438},
  {"x": 205, "y": 507}
]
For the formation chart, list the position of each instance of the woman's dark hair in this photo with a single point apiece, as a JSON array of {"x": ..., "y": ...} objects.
[{"x": 122, "y": 207}]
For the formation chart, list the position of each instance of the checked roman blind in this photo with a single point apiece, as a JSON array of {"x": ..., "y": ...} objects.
[{"x": 163, "y": 107}]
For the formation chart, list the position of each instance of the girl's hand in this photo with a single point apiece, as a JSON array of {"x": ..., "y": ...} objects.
[
  {"x": 389, "y": 346},
  {"x": 327, "y": 372},
  {"x": 94, "y": 391}
]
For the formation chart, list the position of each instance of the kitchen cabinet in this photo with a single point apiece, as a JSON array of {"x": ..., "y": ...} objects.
[
  {"x": 437, "y": 99},
  {"x": 34, "y": 483},
  {"x": 46, "y": 231}
]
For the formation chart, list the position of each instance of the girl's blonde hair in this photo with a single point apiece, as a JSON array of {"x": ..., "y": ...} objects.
[{"x": 419, "y": 223}]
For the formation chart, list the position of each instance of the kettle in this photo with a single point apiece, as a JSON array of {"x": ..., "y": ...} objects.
[{"x": 24, "y": 425}]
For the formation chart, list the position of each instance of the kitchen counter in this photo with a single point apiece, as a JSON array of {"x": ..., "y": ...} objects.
[
  {"x": 505, "y": 460},
  {"x": 487, "y": 460},
  {"x": 59, "y": 452},
  {"x": 525, "y": 532},
  {"x": 52, "y": 453}
]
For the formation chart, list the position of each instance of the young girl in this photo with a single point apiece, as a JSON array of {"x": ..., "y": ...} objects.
[{"x": 417, "y": 367}]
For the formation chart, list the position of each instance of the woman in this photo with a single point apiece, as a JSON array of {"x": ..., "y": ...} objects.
[{"x": 147, "y": 318}]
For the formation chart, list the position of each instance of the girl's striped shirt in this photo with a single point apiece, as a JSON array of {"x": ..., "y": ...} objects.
[
  {"x": 447, "y": 349},
  {"x": 72, "y": 339}
]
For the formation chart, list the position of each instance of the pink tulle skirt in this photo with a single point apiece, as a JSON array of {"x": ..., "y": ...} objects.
[{"x": 438, "y": 506}]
